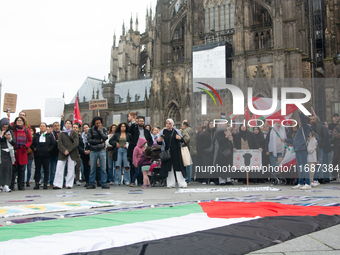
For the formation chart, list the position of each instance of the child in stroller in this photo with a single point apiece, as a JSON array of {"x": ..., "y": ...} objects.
[{"x": 155, "y": 176}]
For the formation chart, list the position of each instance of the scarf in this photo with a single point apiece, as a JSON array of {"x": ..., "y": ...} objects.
[
  {"x": 243, "y": 134},
  {"x": 172, "y": 124},
  {"x": 84, "y": 136},
  {"x": 273, "y": 137},
  {"x": 67, "y": 131},
  {"x": 20, "y": 137}
]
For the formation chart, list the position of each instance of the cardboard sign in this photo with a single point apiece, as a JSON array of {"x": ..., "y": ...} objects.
[
  {"x": 247, "y": 159},
  {"x": 33, "y": 117},
  {"x": 10, "y": 101},
  {"x": 54, "y": 107},
  {"x": 98, "y": 104}
]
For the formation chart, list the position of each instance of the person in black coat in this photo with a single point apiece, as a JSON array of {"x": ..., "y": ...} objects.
[
  {"x": 206, "y": 148},
  {"x": 137, "y": 130},
  {"x": 84, "y": 152},
  {"x": 42, "y": 146},
  {"x": 171, "y": 138}
]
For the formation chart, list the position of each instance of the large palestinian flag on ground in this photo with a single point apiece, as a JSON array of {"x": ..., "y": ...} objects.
[{"x": 204, "y": 228}]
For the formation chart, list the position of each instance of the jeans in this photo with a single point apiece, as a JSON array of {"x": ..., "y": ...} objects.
[
  {"x": 122, "y": 157},
  {"x": 94, "y": 155},
  {"x": 110, "y": 167},
  {"x": 138, "y": 172},
  {"x": 301, "y": 162},
  {"x": 318, "y": 170},
  {"x": 273, "y": 159},
  {"x": 29, "y": 170},
  {"x": 82, "y": 171},
  {"x": 18, "y": 170},
  {"x": 188, "y": 170},
  {"x": 53, "y": 167}
]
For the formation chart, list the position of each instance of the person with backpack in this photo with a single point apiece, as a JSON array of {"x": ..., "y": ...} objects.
[{"x": 23, "y": 138}]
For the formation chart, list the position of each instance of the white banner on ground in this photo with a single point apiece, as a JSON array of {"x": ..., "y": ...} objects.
[
  {"x": 54, "y": 107},
  {"x": 210, "y": 190}
]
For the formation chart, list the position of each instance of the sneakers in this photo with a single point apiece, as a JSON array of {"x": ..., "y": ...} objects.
[
  {"x": 111, "y": 183},
  {"x": 91, "y": 186},
  {"x": 204, "y": 183},
  {"x": 6, "y": 189},
  {"x": 306, "y": 187},
  {"x": 78, "y": 183},
  {"x": 212, "y": 183},
  {"x": 106, "y": 186},
  {"x": 132, "y": 185},
  {"x": 315, "y": 183},
  {"x": 297, "y": 186}
]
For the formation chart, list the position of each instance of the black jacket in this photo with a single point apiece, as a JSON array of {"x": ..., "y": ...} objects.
[
  {"x": 114, "y": 140},
  {"x": 96, "y": 138},
  {"x": 43, "y": 149},
  {"x": 134, "y": 131}
]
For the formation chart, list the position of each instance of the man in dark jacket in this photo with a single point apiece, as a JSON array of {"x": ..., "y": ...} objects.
[
  {"x": 137, "y": 130},
  {"x": 55, "y": 152},
  {"x": 96, "y": 137}
]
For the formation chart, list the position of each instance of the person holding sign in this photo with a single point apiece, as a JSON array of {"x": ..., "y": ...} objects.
[
  {"x": 43, "y": 145},
  {"x": 24, "y": 140},
  {"x": 68, "y": 151},
  {"x": 7, "y": 141}
]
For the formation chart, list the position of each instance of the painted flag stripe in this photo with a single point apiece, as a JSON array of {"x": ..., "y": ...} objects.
[
  {"x": 263, "y": 209},
  {"x": 117, "y": 236},
  {"x": 240, "y": 238},
  {"x": 30, "y": 230}
]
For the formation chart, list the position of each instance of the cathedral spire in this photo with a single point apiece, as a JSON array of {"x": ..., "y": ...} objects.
[
  {"x": 123, "y": 28},
  {"x": 147, "y": 11},
  {"x": 131, "y": 22},
  {"x": 114, "y": 39},
  {"x": 137, "y": 21}
]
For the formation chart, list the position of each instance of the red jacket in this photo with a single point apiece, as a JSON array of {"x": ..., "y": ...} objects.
[{"x": 21, "y": 153}]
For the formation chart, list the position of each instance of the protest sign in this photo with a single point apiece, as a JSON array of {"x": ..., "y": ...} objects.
[
  {"x": 54, "y": 107},
  {"x": 33, "y": 117},
  {"x": 98, "y": 104},
  {"x": 10, "y": 101}
]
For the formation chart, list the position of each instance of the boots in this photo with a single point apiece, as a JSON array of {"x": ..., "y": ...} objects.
[
  {"x": 45, "y": 185},
  {"x": 36, "y": 185}
]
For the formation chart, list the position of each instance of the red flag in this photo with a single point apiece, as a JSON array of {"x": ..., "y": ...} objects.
[
  {"x": 76, "y": 113},
  {"x": 246, "y": 114}
]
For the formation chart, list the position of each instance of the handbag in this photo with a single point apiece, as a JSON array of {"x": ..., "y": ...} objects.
[
  {"x": 186, "y": 158},
  {"x": 165, "y": 155}
]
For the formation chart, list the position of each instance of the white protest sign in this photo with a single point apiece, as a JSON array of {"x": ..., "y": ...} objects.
[
  {"x": 54, "y": 107},
  {"x": 247, "y": 159}
]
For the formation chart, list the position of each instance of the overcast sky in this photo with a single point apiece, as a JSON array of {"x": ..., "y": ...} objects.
[{"x": 50, "y": 47}]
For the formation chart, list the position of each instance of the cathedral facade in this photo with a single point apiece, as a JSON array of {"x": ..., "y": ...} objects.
[{"x": 268, "y": 39}]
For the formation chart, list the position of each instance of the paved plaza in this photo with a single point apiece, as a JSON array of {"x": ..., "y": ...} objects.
[{"x": 322, "y": 242}]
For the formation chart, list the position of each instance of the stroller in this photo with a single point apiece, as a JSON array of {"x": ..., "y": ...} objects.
[
  {"x": 156, "y": 178},
  {"x": 277, "y": 178}
]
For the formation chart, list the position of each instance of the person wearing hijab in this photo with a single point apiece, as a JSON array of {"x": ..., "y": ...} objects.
[
  {"x": 261, "y": 141},
  {"x": 23, "y": 139},
  {"x": 171, "y": 138},
  {"x": 206, "y": 147},
  {"x": 7, "y": 141},
  {"x": 68, "y": 151},
  {"x": 223, "y": 151},
  {"x": 276, "y": 147}
]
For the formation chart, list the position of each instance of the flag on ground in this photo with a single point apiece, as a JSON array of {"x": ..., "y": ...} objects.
[{"x": 205, "y": 228}]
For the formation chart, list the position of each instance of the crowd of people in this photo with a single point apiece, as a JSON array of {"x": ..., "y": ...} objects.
[{"x": 66, "y": 153}]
